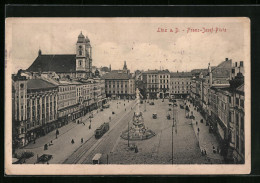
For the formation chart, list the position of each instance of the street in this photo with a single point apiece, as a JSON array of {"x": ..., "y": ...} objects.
[
  {"x": 187, "y": 145},
  {"x": 62, "y": 147}
]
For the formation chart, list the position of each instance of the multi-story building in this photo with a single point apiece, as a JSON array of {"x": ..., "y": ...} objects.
[
  {"x": 238, "y": 118},
  {"x": 42, "y": 108},
  {"x": 35, "y": 108},
  {"x": 151, "y": 83},
  {"x": 180, "y": 84},
  {"x": 19, "y": 86},
  {"x": 118, "y": 84},
  {"x": 164, "y": 83}
]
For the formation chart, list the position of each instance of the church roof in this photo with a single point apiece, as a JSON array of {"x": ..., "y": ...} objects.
[{"x": 55, "y": 63}]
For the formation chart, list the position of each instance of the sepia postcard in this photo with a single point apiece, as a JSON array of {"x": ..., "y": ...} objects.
[{"x": 127, "y": 96}]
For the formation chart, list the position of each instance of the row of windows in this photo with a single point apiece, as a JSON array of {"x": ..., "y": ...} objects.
[
  {"x": 69, "y": 88},
  {"x": 114, "y": 92},
  {"x": 67, "y": 96},
  {"x": 181, "y": 83},
  {"x": 109, "y": 86},
  {"x": 163, "y": 81},
  {"x": 164, "y": 76},
  {"x": 180, "y": 92},
  {"x": 181, "y": 87}
]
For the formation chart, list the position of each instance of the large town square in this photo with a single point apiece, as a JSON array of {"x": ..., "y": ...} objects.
[{"x": 107, "y": 100}]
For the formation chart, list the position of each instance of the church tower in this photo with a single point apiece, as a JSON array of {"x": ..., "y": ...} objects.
[
  {"x": 89, "y": 57},
  {"x": 83, "y": 57}
]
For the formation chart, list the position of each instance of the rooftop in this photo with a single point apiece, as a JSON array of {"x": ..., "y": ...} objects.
[
  {"x": 56, "y": 63},
  {"x": 180, "y": 74},
  {"x": 39, "y": 84},
  {"x": 116, "y": 75}
]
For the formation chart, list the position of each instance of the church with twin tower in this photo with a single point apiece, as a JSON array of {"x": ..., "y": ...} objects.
[
  {"x": 77, "y": 65},
  {"x": 83, "y": 57}
]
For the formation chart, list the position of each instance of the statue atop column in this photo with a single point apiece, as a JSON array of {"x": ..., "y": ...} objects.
[{"x": 138, "y": 131}]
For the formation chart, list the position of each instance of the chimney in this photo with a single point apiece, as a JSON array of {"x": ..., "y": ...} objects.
[
  {"x": 241, "y": 64},
  {"x": 40, "y": 52}
]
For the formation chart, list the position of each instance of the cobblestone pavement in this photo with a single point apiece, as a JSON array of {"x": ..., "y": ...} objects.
[
  {"x": 158, "y": 149},
  {"x": 62, "y": 147},
  {"x": 206, "y": 140}
]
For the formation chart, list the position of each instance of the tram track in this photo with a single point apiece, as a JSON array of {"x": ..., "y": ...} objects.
[{"x": 92, "y": 143}]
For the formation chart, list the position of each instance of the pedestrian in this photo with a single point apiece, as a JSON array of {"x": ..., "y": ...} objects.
[
  {"x": 202, "y": 153},
  {"x": 72, "y": 141},
  {"x": 81, "y": 140},
  {"x": 83, "y": 123},
  {"x": 205, "y": 152},
  {"x": 198, "y": 130},
  {"x": 196, "y": 122}
]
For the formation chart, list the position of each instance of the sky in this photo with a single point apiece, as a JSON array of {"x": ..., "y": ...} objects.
[{"x": 134, "y": 40}]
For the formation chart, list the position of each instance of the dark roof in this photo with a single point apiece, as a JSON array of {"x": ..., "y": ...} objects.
[
  {"x": 164, "y": 72},
  {"x": 222, "y": 70},
  {"x": 39, "y": 84},
  {"x": 56, "y": 63},
  {"x": 105, "y": 69},
  {"x": 151, "y": 72},
  {"x": 181, "y": 74},
  {"x": 116, "y": 75}
]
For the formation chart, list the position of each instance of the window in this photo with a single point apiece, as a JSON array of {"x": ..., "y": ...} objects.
[
  {"x": 237, "y": 101},
  {"x": 237, "y": 142},
  {"x": 242, "y": 122},
  {"x": 242, "y": 103},
  {"x": 237, "y": 120}
]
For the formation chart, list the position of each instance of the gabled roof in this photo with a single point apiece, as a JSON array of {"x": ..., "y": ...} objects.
[
  {"x": 116, "y": 75},
  {"x": 222, "y": 70},
  {"x": 56, "y": 63},
  {"x": 39, "y": 84}
]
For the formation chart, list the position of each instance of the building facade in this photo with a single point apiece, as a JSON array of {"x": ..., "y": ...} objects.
[
  {"x": 35, "y": 108},
  {"x": 151, "y": 83},
  {"x": 180, "y": 84},
  {"x": 164, "y": 83}
]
